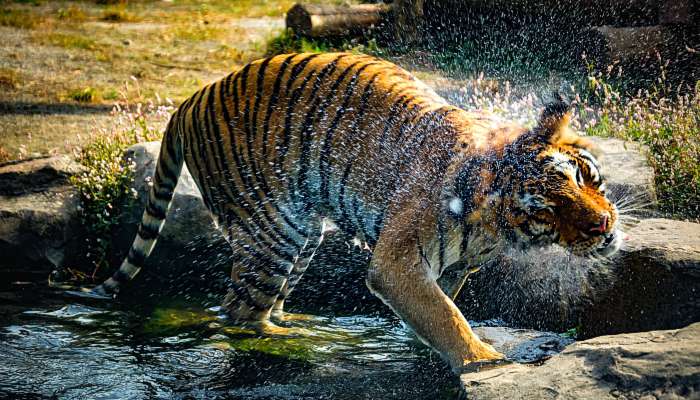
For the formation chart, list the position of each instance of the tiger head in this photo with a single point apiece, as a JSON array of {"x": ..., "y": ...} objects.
[
  {"x": 546, "y": 188},
  {"x": 558, "y": 193}
]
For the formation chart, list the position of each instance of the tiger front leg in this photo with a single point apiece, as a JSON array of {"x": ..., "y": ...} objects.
[{"x": 399, "y": 279}]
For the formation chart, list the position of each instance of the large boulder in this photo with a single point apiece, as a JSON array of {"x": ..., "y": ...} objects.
[
  {"x": 651, "y": 284},
  {"x": 648, "y": 365},
  {"x": 39, "y": 217},
  {"x": 657, "y": 282},
  {"x": 627, "y": 172}
]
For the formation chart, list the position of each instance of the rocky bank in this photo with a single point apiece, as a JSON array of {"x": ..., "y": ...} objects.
[{"x": 651, "y": 285}]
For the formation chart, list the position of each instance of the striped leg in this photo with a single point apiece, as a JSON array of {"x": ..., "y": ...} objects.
[
  {"x": 300, "y": 265},
  {"x": 257, "y": 279},
  {"x": 298, "y": 270}
]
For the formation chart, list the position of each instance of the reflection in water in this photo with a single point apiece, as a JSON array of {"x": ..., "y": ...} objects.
[{"x": 68, "y": 349}]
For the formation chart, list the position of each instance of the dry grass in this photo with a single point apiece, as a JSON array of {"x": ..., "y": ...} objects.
[
  {"x": 87, "y": 54},
  {"x": 9, "y": 79},
  {"x": 119, "y": 14}
]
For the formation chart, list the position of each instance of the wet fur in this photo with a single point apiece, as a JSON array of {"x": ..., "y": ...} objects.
[{"x": 293, "y": 147}]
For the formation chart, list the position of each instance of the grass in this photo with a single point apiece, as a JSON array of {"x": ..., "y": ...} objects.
[
  {"x": 66, "y": 40},
  {"x": 197, "y": 32},
  {"x": 9, "y": 79},
  {"x": 87, "y": 95},
  {"x": 72, "y": 13},
  {"x": 119, "y": 14},
  {"x": 22, "y": 19},
  {"x": 667, "y": 121},
  {"x": 288, "y": 42}
]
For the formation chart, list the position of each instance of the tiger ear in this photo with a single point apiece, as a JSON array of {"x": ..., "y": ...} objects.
[{"x": 553, "y": 127}]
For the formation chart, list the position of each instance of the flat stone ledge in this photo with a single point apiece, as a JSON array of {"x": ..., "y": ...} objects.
[{"x": 653, "y": 365}]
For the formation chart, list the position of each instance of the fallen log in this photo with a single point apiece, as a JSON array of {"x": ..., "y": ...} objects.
[{"x": 316, "y": 20}]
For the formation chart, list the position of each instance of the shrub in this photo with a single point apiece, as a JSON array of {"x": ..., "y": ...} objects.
[
  {"x": 104, "y": 185},
  {"x": 288, "y": 42},
  {"x": 86, "y": 95}
]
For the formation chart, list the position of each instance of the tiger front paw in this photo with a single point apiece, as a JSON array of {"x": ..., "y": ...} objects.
[
  {"x": 484, "y": 352},
  {"x": 483, "y": 356}
]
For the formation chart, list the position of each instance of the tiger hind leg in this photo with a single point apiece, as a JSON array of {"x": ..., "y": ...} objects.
[
  {"x": 300, "y": 265},
  {"x": 278, "y": 312},
  {"x": 256, "y": 284}
]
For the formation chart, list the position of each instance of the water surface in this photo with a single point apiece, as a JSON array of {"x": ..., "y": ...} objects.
[{"x": 55, "y": 346}]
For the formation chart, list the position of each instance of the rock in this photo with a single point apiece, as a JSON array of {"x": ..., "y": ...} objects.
[
  {"x": 627, "y": 172},
  {"x": 542, "y": 289},
  {"x": 657, "y": 364},
  {"x": 657, "y": 281},
  {"x": 653, "y": 283},
  {"x": 36, "y": 175},
  {"x": 188, "y": 219},
  {"x": 523, "y": 345},
  {"x": 39, "y": 217}
]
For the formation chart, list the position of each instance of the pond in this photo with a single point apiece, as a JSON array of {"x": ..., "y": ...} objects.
[{"x": 56, "y": 346}]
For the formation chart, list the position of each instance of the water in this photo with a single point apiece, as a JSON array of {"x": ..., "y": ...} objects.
[{"x": 54, "y": 346}]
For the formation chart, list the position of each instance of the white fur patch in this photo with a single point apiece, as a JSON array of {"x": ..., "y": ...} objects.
[
  {"x": 561, "y": 162},
  {"x": 455, "y": 205},
  {"x": 328, "y": 225}
]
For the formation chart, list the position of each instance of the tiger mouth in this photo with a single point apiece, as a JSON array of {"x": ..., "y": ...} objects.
[{"x": 608, "y": 246}]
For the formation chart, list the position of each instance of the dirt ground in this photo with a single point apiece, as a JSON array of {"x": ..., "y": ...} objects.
[{"x": 64, "y": 64}]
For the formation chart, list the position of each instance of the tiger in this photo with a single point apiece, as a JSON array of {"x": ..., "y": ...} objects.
[{"x": 293, "y": 147}]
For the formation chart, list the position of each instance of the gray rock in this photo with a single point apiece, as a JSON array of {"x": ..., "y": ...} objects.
[
  {"x": 654, "y": 365},
  {"x": 629, "y": 176},
  {"x": 39, "y": 217},
  {"x": 653, "y": 283},
  {"x": 657, "y": 283},
  {"x": 523, "y": 345},
  {"x": 188, "y": 219}
]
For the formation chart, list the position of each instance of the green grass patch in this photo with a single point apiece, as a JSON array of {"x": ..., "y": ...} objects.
[
  {"x": 87, "y": 95},
  {"x": 66, "y": 40},
  {"x": 118, "y": 14},
  {"x": 196, "y": 32},
  {"x": 72, "y": 13},
  {"x": 288, "y": 42},
  {"x": 19, "y": 19}
]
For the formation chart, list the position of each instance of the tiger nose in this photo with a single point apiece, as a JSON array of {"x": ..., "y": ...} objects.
[{"x": 602, "y": 226}]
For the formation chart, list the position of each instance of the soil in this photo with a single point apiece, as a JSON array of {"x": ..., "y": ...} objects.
[{"x": 63, "y": 65}]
